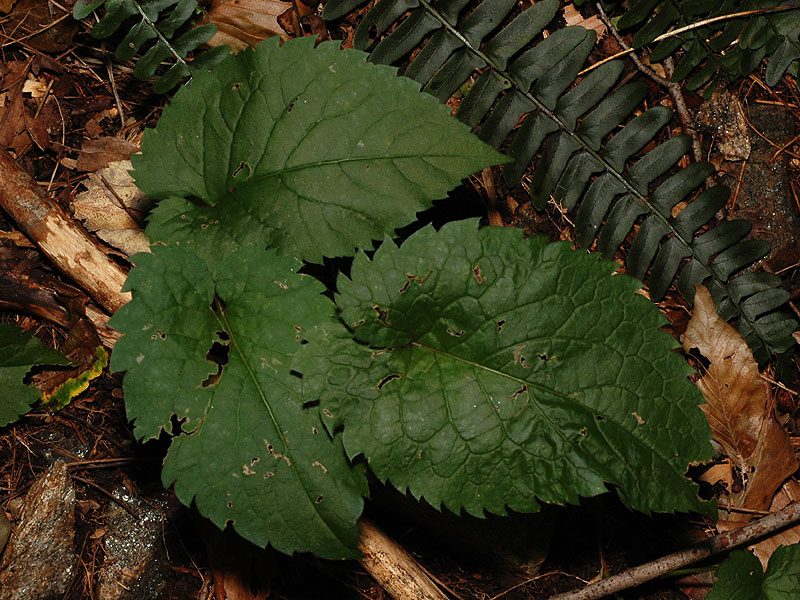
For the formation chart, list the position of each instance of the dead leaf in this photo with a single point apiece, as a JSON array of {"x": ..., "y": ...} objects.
[
  {"x": 242, "y": 23},
  {"x": 739, "y": 408},
  {"x": 573, "y": 17},
  {"x": 790, "y": 492},
  {"x": 99, "y": 153},
  {"x": 113, "y": 207},
  {"x": 723, "y": 116},
  {"x": 43, "y": 25}
]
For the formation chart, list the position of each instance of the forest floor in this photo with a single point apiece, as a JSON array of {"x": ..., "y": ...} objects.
[{"x": 67, "y": 110}]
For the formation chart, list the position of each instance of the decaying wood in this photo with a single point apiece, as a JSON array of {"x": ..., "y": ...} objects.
[
  {"x": 394, "y": 568},
  {"x": 59, "y": 237}
]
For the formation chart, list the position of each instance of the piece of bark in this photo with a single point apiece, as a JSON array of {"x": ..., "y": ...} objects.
[
  {"x": 393, "y": 568},
  {"x": 62, "y": 240}
]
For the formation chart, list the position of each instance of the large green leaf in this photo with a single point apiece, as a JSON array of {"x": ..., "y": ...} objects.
[
  {"x": 251, "y": 453},
  {"x": 484, "y": 372},
  {"x": 310, "y": 149},
  {"x": 741, "y": 577},
  {"x": 19, "y": 352}
]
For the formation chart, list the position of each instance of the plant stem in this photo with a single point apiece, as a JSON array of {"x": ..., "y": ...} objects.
[
  {"x": 672, "y": 87},
  {"x": 719, "y": 543}
]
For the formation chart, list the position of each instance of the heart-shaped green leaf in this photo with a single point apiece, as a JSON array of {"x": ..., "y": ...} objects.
[{"x": 214, "y": 352}]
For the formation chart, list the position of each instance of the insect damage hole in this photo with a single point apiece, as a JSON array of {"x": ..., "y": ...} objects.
[
  {"x": 476, "y": 273},
  {"x": 382, "y": 315},
  {"x": 243, "y": 166},
  {"x": 219, "y": 354},
  {"x": 387, "y": 379}
]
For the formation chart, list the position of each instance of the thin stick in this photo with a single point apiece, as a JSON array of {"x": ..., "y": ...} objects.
[
  {"x": 697, "y": 25},
  {"x": 676, "y": 560},
  {"x": 673, "y": 88}
]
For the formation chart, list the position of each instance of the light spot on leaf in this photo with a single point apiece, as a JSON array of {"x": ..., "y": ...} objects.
[
  {"x": 638, "y": 418},
  {"x": 247, "y": 470},
  {"x": 139, "y": 359},
  {"x": 281, "y": 285},
  {"x": 316, "y": 463}
]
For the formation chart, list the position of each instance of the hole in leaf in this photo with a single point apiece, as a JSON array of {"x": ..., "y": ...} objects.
[
  {"x": 291, "y": 104},
  {"x": 382, "y": 315},
  {"x": 242, "y": 166},
  {"x": 236, "y": 85},
  {"x": 404, "y": 288},
  {"x": 315, "y": 431},
  {"x": 327, "y": 413},
  {"x": 458, "y": 333},
  {"x": 319, "y": 499},
  {"x": 297, "y": 329},
  {"x": 476, "y": 273},
  {"x": 269, "y": 474},
  {"x": 600, "y": 418},
  {"x": 500, "y": 324},
  {"x": 219, "y": 355},
  {"x": 216, "y": 306},
  {"x": 387, "y": 379}
]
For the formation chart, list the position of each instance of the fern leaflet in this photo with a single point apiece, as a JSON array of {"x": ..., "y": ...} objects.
[
  {"x": 566, "y": 131},
  {"x": 159, "y": 20}
]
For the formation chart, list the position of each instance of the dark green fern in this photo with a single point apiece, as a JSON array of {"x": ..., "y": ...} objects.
[
  {"x": 163, "y": 21},
  {"x": 566, "y": 131},
  {"x": 723, "y": 50}
]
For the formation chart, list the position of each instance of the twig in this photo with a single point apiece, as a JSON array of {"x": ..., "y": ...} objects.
[
  {"x": 673, "y": 88},
  {"x": 676, "y": 560},
  {"x": 392, "y": 567},
  {"x": 697, "y": 25},
  {"x": 104, "y": 491}
]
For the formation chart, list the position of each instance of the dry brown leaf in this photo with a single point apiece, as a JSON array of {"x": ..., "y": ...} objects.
[
  {"x": 790, "y": 492},
  {"x": 112, "y": 206},
  {"x": 573, "y": 17},
  {"x": 739, "y": 409},
  {"x": 242, "y": 23},
  {"x": 99, "y": 153}
]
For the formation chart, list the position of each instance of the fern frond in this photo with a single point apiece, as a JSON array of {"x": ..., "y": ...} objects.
[
  {"x": 729, "y": 48},
  {"x": 580, "y": 138},
  {"x": 158, "y": 20}
]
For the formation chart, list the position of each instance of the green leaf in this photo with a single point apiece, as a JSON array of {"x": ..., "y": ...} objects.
[
  {"x": 250, "y": 453},
  {"x": 311, "y": 150},
  {"x": 740, "y": 577},
  {"x": 484, "y": 372},
  {"x": 19, "y": 351}
]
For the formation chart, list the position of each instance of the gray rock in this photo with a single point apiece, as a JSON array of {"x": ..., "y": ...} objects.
[
  {"x": 136, "y": 562},
  {"x": 40, "y": 560}
]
